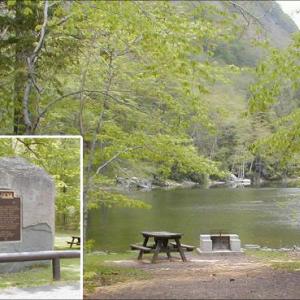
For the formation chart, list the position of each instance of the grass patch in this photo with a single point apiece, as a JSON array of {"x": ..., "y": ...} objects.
[
  {"x": 267, "y": 256},
  {"x": 37, "y": 275},
  {"x": 42, "y": 275},
  {"x": 293, "y": 266},
  {"x": 277, "y": 260},
  {"x": 98, "y": 272}
]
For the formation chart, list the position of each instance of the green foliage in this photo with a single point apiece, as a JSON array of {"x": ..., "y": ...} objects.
[
  {"x": 280, "y": 72},
  {"x": 61, "y": 159},
  {"x": 239, "y": 53},
  {"x": 137, "y": 80},
  {"x": 276, "y": 91},
  {"x": 151, "y": 78},
  {"x": 109, "y": 199},
  {"x": 89, "y": 246}
]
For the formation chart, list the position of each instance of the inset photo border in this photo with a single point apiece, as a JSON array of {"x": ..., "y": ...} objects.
[{"x": 45, "y": 174}]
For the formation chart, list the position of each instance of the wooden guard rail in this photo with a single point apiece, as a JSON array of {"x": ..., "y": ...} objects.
[{"x": 55, "y": 256}]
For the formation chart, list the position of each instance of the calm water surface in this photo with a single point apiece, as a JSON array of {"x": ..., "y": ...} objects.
[{"x": 265, "y": 216}]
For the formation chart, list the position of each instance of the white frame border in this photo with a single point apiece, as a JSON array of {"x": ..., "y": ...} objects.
[{"x": 81, "y": 185}]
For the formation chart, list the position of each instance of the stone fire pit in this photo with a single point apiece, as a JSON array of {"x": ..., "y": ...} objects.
[{"x": 219, "y": 243}]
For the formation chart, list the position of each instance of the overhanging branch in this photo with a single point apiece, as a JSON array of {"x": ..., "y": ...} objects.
[{"x": 115, "y": 157}]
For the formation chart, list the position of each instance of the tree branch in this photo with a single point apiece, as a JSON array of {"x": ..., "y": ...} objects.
[
  {"x": 115, "y": 157},
  {"x": 27, "y": 120},
  {"x": 245, "y": 12},
  {"x": 42, "y": 34},
  {"x": 52, "y": 103},
  {"x": 28, "y": 148},
  {"x": 3, "y": 33},
  {"x": 63, "y": 20}
]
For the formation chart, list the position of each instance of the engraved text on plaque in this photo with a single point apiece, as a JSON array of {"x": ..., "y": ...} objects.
[{"x": 10, "y": 218}]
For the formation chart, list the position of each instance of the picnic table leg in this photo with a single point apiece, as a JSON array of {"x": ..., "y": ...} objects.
[
  {"x": 180, "y": 249},
  {"x": 169, "y": 254},
  {"x": 71, "y": 244},
  {"x": 167, "y": 249},
  {"x": 144, "y": 244},
  {"x": 156, "y": 251}
]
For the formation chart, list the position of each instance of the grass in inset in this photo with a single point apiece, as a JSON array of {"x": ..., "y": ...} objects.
[{"x": 38, "y": 275}]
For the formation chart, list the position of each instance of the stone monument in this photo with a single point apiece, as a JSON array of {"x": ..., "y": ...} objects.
[{"x": 27, "y": 210}]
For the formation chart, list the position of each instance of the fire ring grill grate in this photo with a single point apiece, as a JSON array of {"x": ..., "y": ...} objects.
[{"x": 220, "y": 242}]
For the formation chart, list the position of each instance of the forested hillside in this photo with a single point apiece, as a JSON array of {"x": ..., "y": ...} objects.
[
  {"x": 261, "y": 21},
  {"x": 264, "y": 26},
  {"x": 158, "y": 90}
]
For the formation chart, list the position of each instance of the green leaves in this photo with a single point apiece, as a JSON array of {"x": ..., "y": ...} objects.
[
  {"x": 109, "y": 199},
  {"x": 276, "y": 90},
  {"x": 279, "y": 72},
  {"x": 142, "y": 72},
  {"x": 61, "y": 159}
]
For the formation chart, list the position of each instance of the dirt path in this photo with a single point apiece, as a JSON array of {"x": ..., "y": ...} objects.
[{"x": 206, "y": 278}]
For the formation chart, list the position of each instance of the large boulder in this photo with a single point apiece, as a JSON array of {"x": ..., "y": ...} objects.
[{"x": 36, "y": 190}]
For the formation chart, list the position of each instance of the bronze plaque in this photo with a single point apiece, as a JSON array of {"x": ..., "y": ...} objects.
[{"x": 10, "y": 217}]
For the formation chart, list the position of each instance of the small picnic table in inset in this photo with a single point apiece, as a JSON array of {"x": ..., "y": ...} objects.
[
  {"x": 162, "y": 244},
  {"x": 75, "y": 241}
]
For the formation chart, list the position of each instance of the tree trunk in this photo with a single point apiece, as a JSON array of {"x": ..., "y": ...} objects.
[
  {"x": 20, "y": 71},
  {"x": 88, "y": 174},
  {"x": 25, "y": 37}
]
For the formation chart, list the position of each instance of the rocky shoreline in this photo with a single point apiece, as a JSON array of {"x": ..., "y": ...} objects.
[
  {"x": 267, "y": 249},
  {"x": 147, "y": 184},
  {"x": 134, "y": 183}
]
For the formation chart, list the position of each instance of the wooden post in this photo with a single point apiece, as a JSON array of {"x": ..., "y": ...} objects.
[{"x": 56, "y": 268}]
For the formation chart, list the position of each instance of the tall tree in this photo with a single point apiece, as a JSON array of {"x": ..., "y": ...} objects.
[{"x": 276, "y": 93}]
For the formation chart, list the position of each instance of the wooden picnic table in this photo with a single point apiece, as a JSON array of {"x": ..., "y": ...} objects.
[
  {"x": 161, "y": 244},
  {"x": 75, "y": 241}
]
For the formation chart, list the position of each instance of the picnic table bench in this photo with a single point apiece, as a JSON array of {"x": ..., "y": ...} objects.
[
  {"x": 75, "y": 241},
  {"x": 161, "y": 244},
  {"x": 184, "y": 246}
]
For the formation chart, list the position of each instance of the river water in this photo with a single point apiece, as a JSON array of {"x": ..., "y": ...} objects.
[{"x": 266, "y": 216}]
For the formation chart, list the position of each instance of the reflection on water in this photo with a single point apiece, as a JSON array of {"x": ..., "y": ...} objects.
[{"x": 265, "y": 216}]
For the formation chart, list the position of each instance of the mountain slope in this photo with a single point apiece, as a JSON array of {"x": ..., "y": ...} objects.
[{"x": 259, "y": 20}]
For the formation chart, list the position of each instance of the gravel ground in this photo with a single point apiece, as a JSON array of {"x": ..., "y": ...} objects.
[
  {"x": 213, "y": 277},
  {"x": 56, "y": 291}
]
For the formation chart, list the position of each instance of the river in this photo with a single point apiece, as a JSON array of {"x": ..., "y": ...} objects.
[{"x": 265, "y": 216}]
